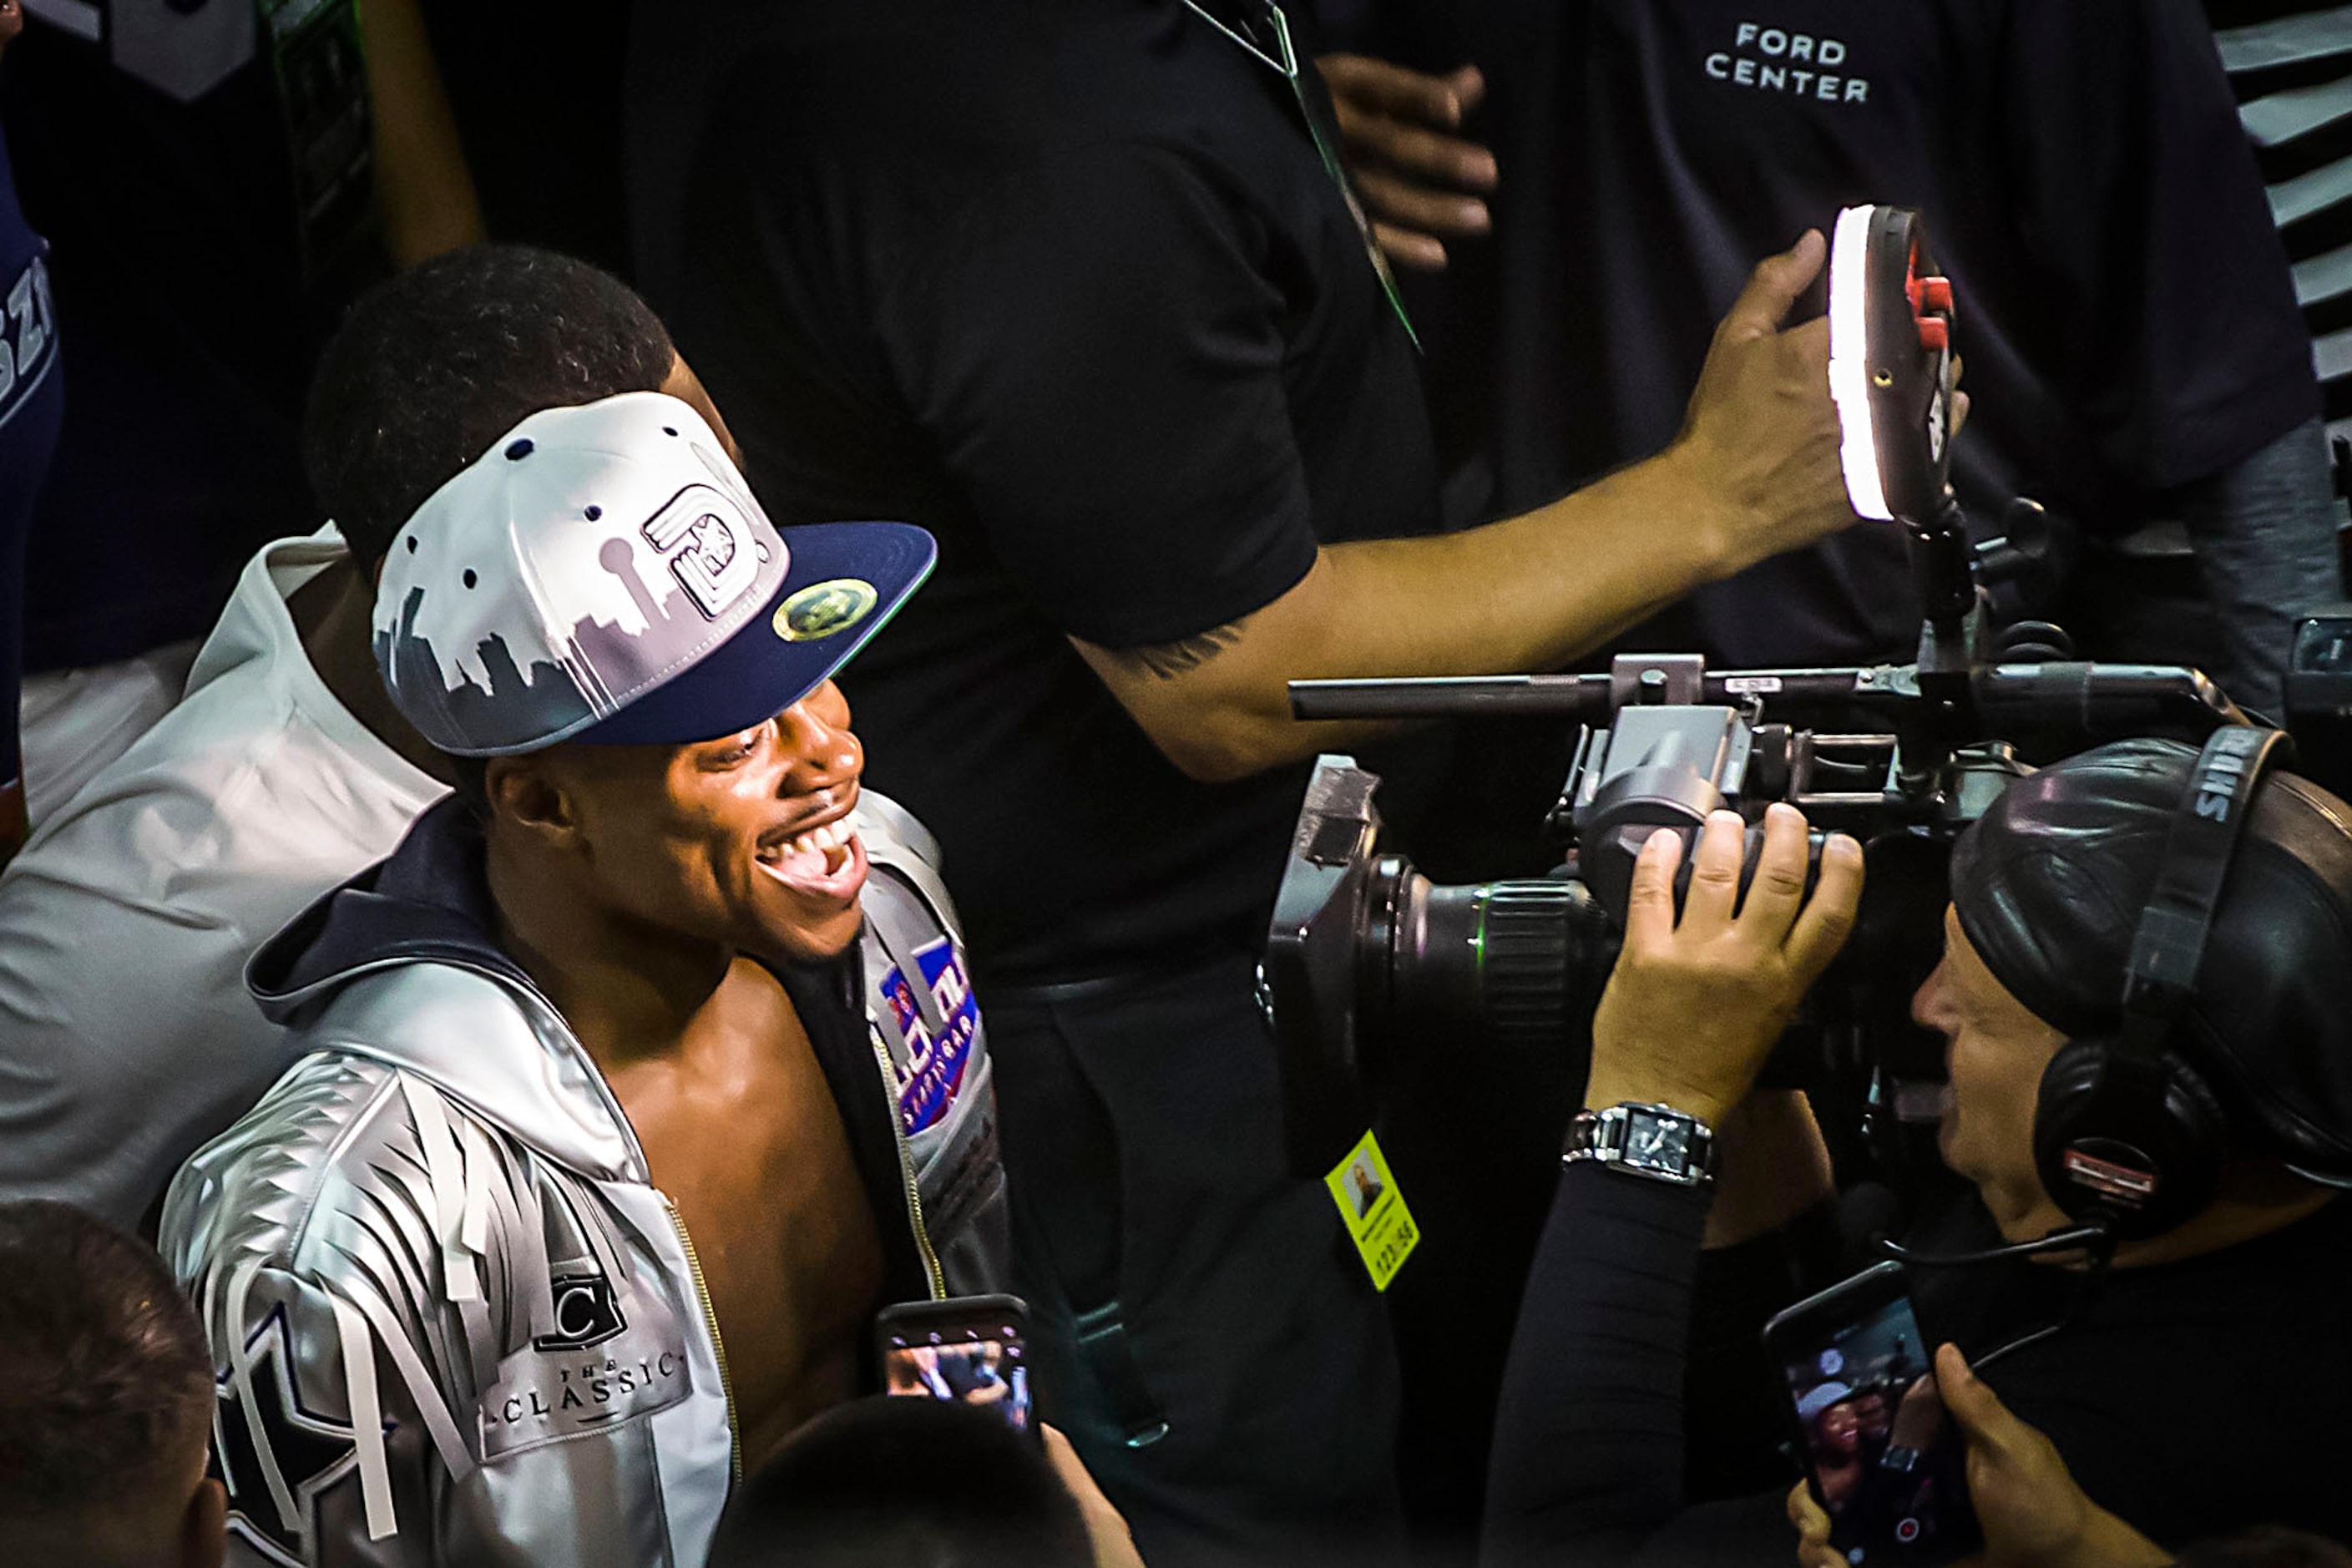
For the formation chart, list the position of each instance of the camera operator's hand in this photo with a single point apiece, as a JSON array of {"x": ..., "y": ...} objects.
[
  {"x": 2033, "y": 1514},
  {"x": 1420, "y": 182},
  {"x": 1760, "y": 437},
  {"x": 1694, "y": 1006}
]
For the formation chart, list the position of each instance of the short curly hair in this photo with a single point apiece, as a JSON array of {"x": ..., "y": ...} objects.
[
  {"x": 432, "y": 366},
  {"x": 107, "y": 1390}
]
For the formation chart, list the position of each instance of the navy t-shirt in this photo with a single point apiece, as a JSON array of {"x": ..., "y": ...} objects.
[
  {"x": 1067, "y": 284},
  {"x": 2126, "y": 312},
  {"x": 32, "y": 403},
  {"x": 179, "y": 274}
]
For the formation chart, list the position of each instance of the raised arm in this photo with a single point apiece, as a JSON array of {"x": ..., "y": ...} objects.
[
  {"x": 423, "y": 189},
  {"x": 1754, "y": 472},
  {"x": 1589, "y": 1440}
]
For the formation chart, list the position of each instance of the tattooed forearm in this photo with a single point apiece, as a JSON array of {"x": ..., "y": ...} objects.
[{"x": 1169, "y": 660}]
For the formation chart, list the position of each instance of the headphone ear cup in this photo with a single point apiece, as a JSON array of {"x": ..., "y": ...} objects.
[{"x": 2128, "y": 1135}]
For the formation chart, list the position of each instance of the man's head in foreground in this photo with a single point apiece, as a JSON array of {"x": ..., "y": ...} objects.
[
  {"x": 906, "y": 1483},
  {"x": 2047, "y": 894},
  {"x": 105, "y": 1401},
  {"x": 433, "y": 365},
  {"x": 635, "y": 667}
]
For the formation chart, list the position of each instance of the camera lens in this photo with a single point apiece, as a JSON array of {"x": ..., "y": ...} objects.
[{"x": 1518, "y": 964}]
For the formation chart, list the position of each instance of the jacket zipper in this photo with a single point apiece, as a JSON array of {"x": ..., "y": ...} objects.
[
  {"x": 933, "y": 1274},
  {"x": 718, "y": 1345}
]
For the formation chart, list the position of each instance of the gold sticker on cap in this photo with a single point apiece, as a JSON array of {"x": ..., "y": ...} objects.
[{"x": 822, "y": 609}]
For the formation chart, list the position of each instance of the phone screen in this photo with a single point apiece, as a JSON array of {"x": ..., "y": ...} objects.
[
  {"x": 977, "y": 1362},
  {"x": 1888, "y": 1464}
]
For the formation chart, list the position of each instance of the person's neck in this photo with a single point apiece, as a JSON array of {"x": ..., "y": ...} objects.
[
  {"x": 2227, "y": 1221},
  {"x": 627, "y": 990},
  {"x": 333, "y": 614}
]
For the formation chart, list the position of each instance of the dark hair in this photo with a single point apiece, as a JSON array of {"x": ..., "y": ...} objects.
[
  {"x": 432, "y": 366},
  {"x": 108, "y": 1387},
  {"x": 904, "y": 1483}
]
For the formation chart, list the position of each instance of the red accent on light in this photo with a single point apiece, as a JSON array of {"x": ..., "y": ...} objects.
[
  {"x": 1935, "y": 334},
  {"x": 1935, "y": 295}
]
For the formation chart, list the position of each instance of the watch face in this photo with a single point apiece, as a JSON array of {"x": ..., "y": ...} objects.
[{"x": 1656, "y": 1142}]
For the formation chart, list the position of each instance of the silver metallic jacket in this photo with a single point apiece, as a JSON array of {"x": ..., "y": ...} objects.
[{"x": 455, "y": 1321}]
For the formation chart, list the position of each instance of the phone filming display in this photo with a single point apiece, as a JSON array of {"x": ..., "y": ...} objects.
[
  {"x": 1884, "y": 1460},
  {"x": 971, "y": 1351}
]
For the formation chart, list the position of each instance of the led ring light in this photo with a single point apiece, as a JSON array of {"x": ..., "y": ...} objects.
[{"x": 1890, "y": 363}]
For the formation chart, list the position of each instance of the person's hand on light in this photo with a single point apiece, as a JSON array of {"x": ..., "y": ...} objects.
[
  {"x": 2032, "y": 1514},
  {"x": 1695, "y": 1006},
  {"x": 1114, "y": 1543},
  {"x": 1760, "y": 433},
  {"x": 1422, "y": 183}
]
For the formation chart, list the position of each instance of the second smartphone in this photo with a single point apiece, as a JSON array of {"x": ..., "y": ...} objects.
[{"x": 1884, "y": 1459}]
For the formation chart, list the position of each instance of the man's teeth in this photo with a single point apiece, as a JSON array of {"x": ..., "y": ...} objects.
[{"x": 817, "y": 840}]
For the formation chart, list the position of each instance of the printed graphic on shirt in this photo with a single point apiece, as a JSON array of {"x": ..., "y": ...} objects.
[
  {"x": 932, "y": 1069},
  {"x": 313, "y": 1453},
  {"x": 28, "y": 336},
  {"x": 1781, "y": 59},
  {"x": 602, "y": 1367}
]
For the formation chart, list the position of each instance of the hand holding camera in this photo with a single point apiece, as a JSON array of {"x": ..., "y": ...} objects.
[{"x": 1695, "y": 1004}]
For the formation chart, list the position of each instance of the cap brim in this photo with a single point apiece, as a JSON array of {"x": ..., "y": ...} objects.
[{"x": 760, "y": 671}]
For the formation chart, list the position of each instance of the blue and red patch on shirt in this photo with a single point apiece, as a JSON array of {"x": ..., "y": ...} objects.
[{"x": 934, "y": 1068}]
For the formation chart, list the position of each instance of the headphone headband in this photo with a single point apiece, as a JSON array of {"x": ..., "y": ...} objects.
[
  {"x": 2168, "y": 945},
  {"x": 2126, "y": 1132}
]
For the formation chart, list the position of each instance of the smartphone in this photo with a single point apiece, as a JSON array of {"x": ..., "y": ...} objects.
[
  {"x": 1884, "y": 1459},
  {"x": 969, "y": 1349}
]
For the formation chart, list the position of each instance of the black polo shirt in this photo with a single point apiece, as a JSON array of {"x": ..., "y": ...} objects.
[
  {"x": 1066, "y": 282},
  {"x": 2125, "y": 311}
]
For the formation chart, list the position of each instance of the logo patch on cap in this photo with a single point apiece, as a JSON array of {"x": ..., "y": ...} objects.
[
  {"x": 823, "y": 609},
  {"x": 711, "y": 552}
]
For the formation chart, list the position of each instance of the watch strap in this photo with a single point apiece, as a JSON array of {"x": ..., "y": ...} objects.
[{"x": 1684, "y": 1158}]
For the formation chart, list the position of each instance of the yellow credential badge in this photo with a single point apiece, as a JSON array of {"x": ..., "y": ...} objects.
[
  {"x": 821, "y": 609},
  {"x": 1371, "y": 1205}
]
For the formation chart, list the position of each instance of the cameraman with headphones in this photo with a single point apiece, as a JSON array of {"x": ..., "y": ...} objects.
[{"x": 2146, "y": 997}]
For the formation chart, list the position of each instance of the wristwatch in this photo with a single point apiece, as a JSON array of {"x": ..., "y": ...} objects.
[{"x": 1653, "y": 1140}]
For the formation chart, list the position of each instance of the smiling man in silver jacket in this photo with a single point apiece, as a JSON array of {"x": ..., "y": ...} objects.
[{"x": 635, "y": 1081}]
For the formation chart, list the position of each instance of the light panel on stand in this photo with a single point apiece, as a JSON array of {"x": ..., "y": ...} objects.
[{"x": 1849, "y": 363}]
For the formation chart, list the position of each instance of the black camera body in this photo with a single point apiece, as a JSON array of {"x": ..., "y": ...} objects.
[{"x": 1367, "y": 959}]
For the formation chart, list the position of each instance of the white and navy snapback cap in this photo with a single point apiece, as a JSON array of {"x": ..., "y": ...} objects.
[{"x": 603, "y": 574}]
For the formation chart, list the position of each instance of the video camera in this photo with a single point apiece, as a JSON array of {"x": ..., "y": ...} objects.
[{"x": 1367, "y": 958}]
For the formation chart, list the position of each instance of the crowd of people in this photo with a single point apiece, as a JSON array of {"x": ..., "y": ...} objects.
[{"x": 482, "y": 1042}]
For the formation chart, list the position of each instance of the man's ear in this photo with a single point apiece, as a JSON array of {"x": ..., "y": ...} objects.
[
  {"x": 527, "y": 797},
  {"x": 204, "y": 1535}
]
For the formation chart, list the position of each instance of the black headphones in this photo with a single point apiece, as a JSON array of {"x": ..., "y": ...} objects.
[{"x": 2126, "y": 1134}]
